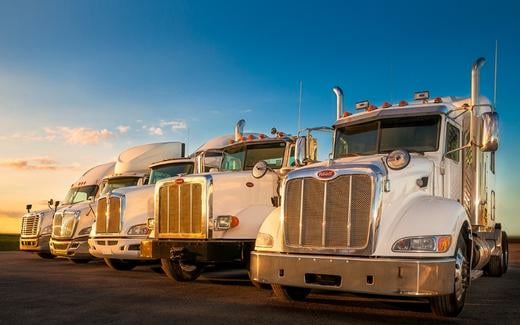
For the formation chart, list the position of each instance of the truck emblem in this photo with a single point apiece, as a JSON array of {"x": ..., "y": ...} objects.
[{"x": 327, "y": 173}]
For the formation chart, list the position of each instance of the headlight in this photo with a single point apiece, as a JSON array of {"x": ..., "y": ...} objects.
[
  {"x": 433, "y": 244},
  {"x": 150, "y": 223},
  {"x": 264, "y": 240},
  {"x": 85, "y": 231},
  {"x": 46, "y": 230},
  {"x": 226, "y": 222},
  {"x": 139, "y": 230},
  {"x": 398, "y": 159}
]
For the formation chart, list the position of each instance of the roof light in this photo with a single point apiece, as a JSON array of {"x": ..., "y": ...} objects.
[
  {"x": 421, "y": 95},
  {"x": 179, "y": 181},
  {"x": 437, "y": 100},
  {"x": 386, "y": 105},
  {"x": 346, "y": 114},
  {"x": 231, "y": 141},
  {"x": 403, "y": 103},
  {"x": 371, "y": 108},
  {"x": 242, "y": 138},
  {"x": 250, "y": 137},
  {"x": 362, "y": 105},
  {"x": 281, "y": 134},
  {"x": 262, "y": 136}
]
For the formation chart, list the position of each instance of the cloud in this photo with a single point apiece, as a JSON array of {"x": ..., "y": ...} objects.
[
  {"x": 11, "y": 214},
  {"x": 79, "y": 135},
  {"x": 123, "y": 129},
  {"x": 175, "y": 124},
  {"x": 155, "y": 131},
  {"x": 34, "y": 163}
]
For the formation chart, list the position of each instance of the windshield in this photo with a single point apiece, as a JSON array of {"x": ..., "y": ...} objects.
[
  {"x": 246, "y": 156},
  {"x": 115, "y": 183},
  {"x": 415, "y": 134},
  {"x": 165, "y": 171},
  {"x": 80, "y": 194}
]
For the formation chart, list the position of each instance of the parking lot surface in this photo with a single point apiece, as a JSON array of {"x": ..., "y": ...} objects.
[{"x": 33, "y": 290}]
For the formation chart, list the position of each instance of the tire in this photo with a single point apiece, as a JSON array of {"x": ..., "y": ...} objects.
[
  {"x": 451, "y": 305},
  {"x": 79, "y": 261},
  {"x": 179, "y": 271},
  {"x": 120, "y": 265},
  {"x": 290, "y": 293},
  {"x": 47, "y": 256},
  {"x": 498, "y": 263}
]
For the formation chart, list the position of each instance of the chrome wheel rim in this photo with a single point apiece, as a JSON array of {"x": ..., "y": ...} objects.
[{"x": 461, "y": 274}]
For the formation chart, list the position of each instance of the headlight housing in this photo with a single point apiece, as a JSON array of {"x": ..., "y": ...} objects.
[
  {"x": 141, "y": 230},
  {"x": 264, "y": 240},
  {"x": 46, "y": 230},
  {"x": 421, "y": 244},
  {"x": 398, "y": 159},
  {"x": 85, "y": 231}
]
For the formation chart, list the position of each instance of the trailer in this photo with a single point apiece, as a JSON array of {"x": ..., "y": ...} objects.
[{"x": 405, "y": 207}]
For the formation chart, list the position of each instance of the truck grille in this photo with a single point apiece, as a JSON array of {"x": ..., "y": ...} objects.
[
  {"x": 30, "y": 225},
  {"x": 108, "y": 218},
  {"x": 64, "y": 224},
  {"x": 328, "y": 214},
  {"x": 180, "y": 210}
]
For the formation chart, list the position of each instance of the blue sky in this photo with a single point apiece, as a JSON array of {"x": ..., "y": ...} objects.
[{"x": 72, "y": 72}]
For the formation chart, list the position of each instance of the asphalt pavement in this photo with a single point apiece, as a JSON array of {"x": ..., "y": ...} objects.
[{"x": 34, "y": 290}]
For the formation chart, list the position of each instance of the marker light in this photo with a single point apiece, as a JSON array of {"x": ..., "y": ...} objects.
[
  {"x": 346, "y": 114},
  {"x": 386, "y": 105},
  {"x": 262, "y": 136},
  {"x": 226, "y": 222},
  {"x": 362, "y": 105},
  {"x": 179, "y": 181},
  {"x": 231, "y": 141},
  {"x": 433, "y": 244},
  {"x": 403, "y": 103},
  {"x": 421, "y": 95},
  {"x": 437, "y": 100},
  {"x": 371, "y": 108},
  {"x": 250, "y": 137},
  {"x": 264, "y": 240},
  {"x": 281, "y": 134}
]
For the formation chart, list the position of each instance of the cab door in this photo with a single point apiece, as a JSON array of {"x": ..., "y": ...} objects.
[{"x": 452, "y": 163}]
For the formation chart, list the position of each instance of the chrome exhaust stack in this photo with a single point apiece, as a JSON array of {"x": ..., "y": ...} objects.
[
  {"x": 239, "y": 129},
  {"x": 475, "y": 81},
  {"x": 339, "y": 101}
]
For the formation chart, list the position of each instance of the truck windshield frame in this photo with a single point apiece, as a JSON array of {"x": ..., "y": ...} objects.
[
  {"x": 170, "y": 170},
  {"x": 80, "y": 194},
  {"x": 246, "y": 155},
  {"x": 415, "y": 134},
  {"x": 119, "y": 182}
]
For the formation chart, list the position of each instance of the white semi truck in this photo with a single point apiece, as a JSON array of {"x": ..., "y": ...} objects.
[
  {"x": 406, "y": 206},
  {"x": 117, "y": 234},
  {"x": 72, "y": 225},
  {"x": 213, "y": 218},
  {"x": 37, "y": 225}
]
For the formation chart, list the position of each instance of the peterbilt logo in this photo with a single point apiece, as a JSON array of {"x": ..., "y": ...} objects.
[{"x": 327, "y": 173}]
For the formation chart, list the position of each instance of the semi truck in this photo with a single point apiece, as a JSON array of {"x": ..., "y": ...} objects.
[
  {"x": 404, "y": 207},
  {"x": 72, "y": 225},
  {"x": 213, "y": 218},
  {"x": 117, "y": 234},
  {"x": 37, "y": 225}
]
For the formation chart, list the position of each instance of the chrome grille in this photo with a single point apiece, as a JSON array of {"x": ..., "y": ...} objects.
[
  {"x": 328, "y": 214},
  {"x": 180, "y": 210},
  {"x": 108, "y": 217},
  {"x": 64, "y": 224},
  {"x": 30, "y": 225}
]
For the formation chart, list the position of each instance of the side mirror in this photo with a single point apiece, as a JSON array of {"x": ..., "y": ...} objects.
[
  {"x": 260, "y": 169},
  {"x": 28, "y": 207},
  {"x": 50, "y": 202},
  {"x": 299, "y": 151},
  {"x": 56, "y": 204},
  {"x": 489, "y": 136}
]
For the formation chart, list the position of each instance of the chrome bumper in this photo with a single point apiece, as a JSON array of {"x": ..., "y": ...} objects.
[
  {"x": 75, "y": 248},
  {"x": 117, "y": 247},
  {"x": 383, "y": 276},
  {"x": 38, "y": 244}
]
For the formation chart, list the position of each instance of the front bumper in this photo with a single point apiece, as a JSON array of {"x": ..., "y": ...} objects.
[
  {"x": 200, "y": 251},
  {"x": 116, "y": 247},
  {"x": 383, "y": 276},
  {"x": 38, "y": 244},
  {"x": 76, "y": 248}
]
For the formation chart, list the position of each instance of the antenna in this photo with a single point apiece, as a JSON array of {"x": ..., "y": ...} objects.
[
  {"x": 495, "y": 77},
  {"x": 300, "y": 106},
  {"x": 187, "y": 139}
]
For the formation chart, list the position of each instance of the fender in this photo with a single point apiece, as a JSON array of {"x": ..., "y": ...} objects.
[
  {"x": 250, "y": 220},
  {"x": 423, "y": 216},
  {"x": 272, "y": 226}
]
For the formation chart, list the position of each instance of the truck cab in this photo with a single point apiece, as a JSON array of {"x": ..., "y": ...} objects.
[
  {"x": 117, "y": 233},
  {"x": 405, "y": 207},
  {"x": 213, "y": 218},
  {"x": 73, "y": 225}
]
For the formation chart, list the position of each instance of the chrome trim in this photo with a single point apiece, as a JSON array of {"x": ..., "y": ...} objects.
[
  {"x": 76, "y": 215},
  {"x": 35, "y": 229},
  {"x": 122, "y": 208}
]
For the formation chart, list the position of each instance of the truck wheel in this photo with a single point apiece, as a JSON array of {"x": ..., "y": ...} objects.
[
  {"x": 180, "y": 271},
  {"x": 290, "y": 293},
  {"x": 498, "y": 263},
  {"x": 451, "y": 305},
  {"x": 120, "y": 265},
  {"x": 79, "y": 261},
  {"x": 47, "y": 256}
]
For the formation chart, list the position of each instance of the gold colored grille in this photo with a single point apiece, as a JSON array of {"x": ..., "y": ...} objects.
[
  {"x": 328, "y": 214},
  {"x": 180, "y": 210},
  {"x": 101, "y": 216},
  {"x": 108, "y": 218},
  {"x": 30, "y": 225}
]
